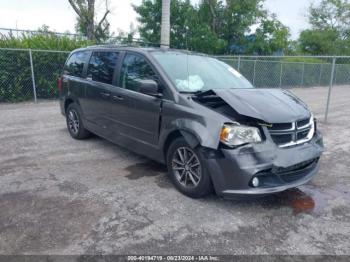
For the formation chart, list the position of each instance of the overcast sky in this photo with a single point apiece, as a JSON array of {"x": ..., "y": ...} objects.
[{"x": 60, "y": 17}]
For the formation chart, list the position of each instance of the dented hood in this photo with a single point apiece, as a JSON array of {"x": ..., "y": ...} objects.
[{"x": 269, "y": 105}]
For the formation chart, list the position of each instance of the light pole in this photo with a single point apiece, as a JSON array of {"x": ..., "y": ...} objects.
[{"x": 165, "y": 27}]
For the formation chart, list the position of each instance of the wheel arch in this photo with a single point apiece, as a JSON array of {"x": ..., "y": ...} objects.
[
  {"x": 68, "y": 101},
  {"x": 190, "y": 138},
  {"x": 193, "y": 131},
  {"x": 193, "y": 142}
]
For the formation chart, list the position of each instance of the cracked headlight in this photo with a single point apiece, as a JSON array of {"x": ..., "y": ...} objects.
[{"x": 236, "y": 134}]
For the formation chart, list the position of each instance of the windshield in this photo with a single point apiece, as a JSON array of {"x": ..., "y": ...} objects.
[{"x": 196, "y": 73}]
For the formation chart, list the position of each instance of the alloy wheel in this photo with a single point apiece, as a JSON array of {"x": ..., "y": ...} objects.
[
  {"x": 186, "y": 167},
  {"x": 73, "y": 121}
]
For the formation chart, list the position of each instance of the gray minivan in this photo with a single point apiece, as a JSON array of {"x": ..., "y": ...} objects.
[{"x": 194, "y": 113}]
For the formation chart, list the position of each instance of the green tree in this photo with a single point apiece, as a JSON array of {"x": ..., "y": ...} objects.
[
  {"x": 238, "y": 18},
  {"x": 15, "y": 72},
  {"x": 44, "y": 39},
  {"x": 319, "y": 42},
  {"x": 212, "y": 12},
  {"x": 187, "y": 30},
  {"x": 86, "y": 24},
  {"x": 331, "y": 15},
  {"x": 149, "y": 18},
  {"x": 215, "y": 26},
  {"x": 271, "y": 36},
  {"x": 330, "y": 29}
]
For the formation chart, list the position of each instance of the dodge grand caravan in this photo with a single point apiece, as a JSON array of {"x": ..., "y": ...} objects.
[{"x": 194, "y": 113}]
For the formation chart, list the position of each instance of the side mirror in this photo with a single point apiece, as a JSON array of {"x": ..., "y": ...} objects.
[{"x": 149, "y": 87}]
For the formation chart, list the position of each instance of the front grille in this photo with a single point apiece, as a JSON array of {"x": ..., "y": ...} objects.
[
  {"x": 281, "y": 126},
  {"x": 292, "y": 177},
  {"x": 303, "y": 134},
  {"x": 302, "y": 123},
  {"x": 290, "y": 134},
  {"x": 294, "y": 168},
  {"x": 276, "y": 175},
  {"x": 295, "y": 172},
  {"x": 282, "y": 139}
]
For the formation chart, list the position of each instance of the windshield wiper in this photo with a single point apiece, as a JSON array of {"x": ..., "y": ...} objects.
[
  {"x": 190, "y": 92},
  {"x": 199, "y": 92}
]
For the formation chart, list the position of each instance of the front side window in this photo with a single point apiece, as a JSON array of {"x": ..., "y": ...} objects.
[
  {"x": 134, "y": 69},
  {"x": 101, "y": 66},
  {"x": 197, "y": 73},
  {"x": 75, "y": 64}
]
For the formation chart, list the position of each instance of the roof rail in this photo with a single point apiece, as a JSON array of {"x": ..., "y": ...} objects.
[
  {"x": 135, "y": 42},
  {"x": 105, "y": 45}
]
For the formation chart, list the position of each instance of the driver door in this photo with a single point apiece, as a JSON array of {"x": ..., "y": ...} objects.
[{"x": 136, "y": 114}]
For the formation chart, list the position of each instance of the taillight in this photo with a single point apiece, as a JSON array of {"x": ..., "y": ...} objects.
[{"x": 59, "y": 84}]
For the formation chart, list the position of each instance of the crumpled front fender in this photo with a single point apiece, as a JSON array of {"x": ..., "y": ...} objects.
[{"x": 198, "y": 125}]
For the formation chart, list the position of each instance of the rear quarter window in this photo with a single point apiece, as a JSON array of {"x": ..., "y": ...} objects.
[{"x": 75, "y": 63}]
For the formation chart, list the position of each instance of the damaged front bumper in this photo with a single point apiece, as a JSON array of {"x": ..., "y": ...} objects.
[{"x": 277, "y": 169}]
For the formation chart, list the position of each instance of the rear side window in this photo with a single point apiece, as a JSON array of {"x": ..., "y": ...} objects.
[
  {"x": 102, "y": 65},
  {"x": 135, "y": 68},
  {"x": 75, "y": 63}
]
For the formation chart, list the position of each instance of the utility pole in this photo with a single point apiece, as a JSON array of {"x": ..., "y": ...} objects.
[
  {"x": 330, "y": 88},
  {"x": 165, "y": 29}
]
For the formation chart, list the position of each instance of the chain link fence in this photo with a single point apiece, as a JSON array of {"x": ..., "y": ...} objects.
[
  {"x": 305, "y": 71},
  {"x": 315, "y": 79},
  {"x": 32, "y": 74},
  {"x": 29, "y": 74}
]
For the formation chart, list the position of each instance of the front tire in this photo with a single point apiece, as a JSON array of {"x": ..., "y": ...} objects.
[
  {"x": 75, "y": 125},
  {"x": 187, "y": 170}
]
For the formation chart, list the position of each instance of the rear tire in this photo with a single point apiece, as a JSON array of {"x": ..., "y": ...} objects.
[
  {"x": 186, "y": 168},
  {"x": 75, "y": 125}
]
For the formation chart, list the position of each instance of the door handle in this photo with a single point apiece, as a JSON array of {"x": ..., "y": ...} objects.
[
  {"x": 105, "y": 95},
  {"x": 117, "y": 97}
]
